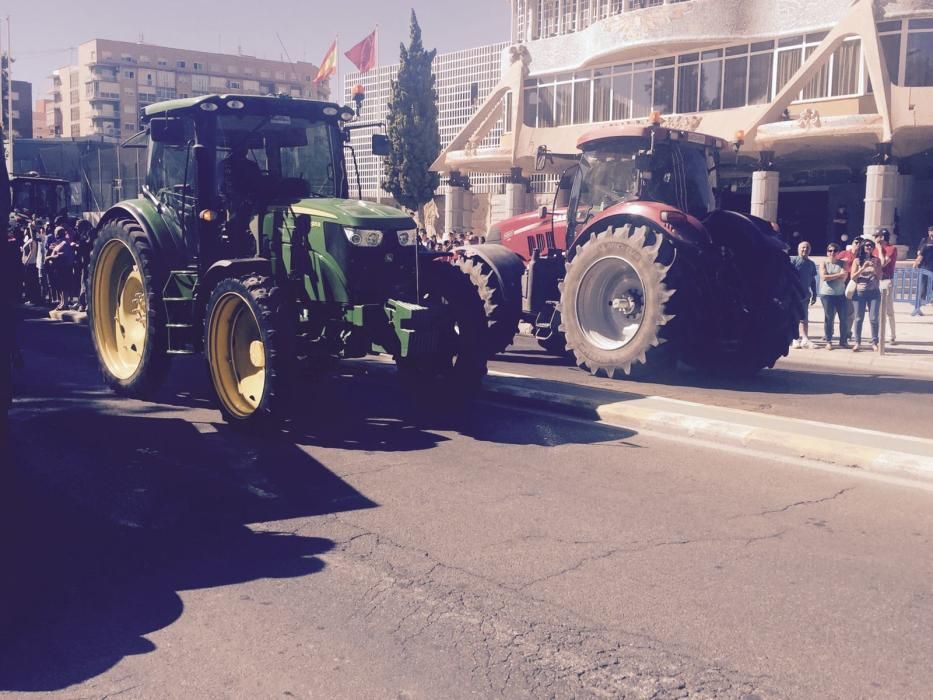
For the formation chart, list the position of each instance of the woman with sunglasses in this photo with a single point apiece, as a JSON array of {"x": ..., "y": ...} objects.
[{"x": 866, "y": 272}]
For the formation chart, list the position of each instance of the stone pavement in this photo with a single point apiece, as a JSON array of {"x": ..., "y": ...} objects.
[{"x": 912, "y": 355}]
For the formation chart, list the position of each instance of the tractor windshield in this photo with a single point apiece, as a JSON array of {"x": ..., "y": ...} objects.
[
  {"x": 609, "y": 177},
  {"x": 679, "y": 175},
  {"x": 296, "y": 154},
  {"x": 675, "y": 173}
]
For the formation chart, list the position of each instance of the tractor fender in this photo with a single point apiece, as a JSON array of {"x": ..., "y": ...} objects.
[
  {"x": 507, "y": 266},
  {"x": 237, "y": 267},
  {"x": 169, "y": 248},
  {"x": 696, "y": 241},
  {"x": 736, "y": 229}
]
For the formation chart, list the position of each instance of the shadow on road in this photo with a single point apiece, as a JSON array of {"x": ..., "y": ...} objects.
[{"x": 105, "y": 518}]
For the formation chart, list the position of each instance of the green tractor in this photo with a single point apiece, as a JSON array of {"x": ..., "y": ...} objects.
[{"x": 245, "y": 245}]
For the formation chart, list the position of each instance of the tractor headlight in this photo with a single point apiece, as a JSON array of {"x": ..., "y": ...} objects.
[
  {"x": 409, "y": 237},
  {"x": 362, "y": 237}
]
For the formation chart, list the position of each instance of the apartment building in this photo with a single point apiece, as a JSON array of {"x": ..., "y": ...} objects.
[
  {"x": 22, "y": 108},
  {"x": 102, "y": 94},
  {"x": 464, "y": 80},
  {"x": 828, "y": 103},
  {"x": 41, "y": 112}
]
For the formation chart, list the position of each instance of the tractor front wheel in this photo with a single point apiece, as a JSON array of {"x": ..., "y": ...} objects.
[
  {"x": 457, "y": 366},
  {"x": 246, "y": 342},
  {"x": 125, "y": 310},
  {"x": 614, "y": 302}
]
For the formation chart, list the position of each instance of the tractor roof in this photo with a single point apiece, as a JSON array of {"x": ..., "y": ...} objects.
[
  {"x": 250, "y": 104},
  {"x": 592, "y": 139}
]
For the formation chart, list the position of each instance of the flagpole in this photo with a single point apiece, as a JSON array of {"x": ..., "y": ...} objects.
[{"x": 339, "y": 99}]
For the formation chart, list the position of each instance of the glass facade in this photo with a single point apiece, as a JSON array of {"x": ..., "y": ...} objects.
[
  {"x": 540, "y": 19},
  {"x": 725, "y": 78}
]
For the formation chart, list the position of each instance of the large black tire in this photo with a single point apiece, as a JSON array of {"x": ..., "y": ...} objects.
[
  {"x": 453, "y": 373},
  {"x": 616, "y": 302},
  {"x": 248, "y": 343},
  {"x": 760, "y": 300},
  {"x": 502, "y": 315},
  {"x": 125, "y": 310}
]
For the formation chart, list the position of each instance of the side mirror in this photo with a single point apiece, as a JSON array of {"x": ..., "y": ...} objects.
[
  {"x": 381, "y": 146},
  {"x": 541, "y": 158},
  {"x": 169, "y": 130},
  {"x": 543, "y": 212}
]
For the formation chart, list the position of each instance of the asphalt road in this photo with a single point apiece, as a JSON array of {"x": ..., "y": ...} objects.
[
  {"x": 368, "y": 551},
  {"x": 845, "y": 396}
]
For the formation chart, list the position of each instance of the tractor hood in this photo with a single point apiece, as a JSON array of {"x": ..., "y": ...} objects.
[{"x": 355, "y": 213}]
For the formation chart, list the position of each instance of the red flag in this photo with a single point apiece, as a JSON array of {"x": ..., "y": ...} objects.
[
  {"x": 328, "y": 65},
  {"x": 363, "y": 55}
]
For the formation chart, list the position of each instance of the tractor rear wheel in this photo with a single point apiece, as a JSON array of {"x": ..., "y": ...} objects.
[
  {"x": 501, "y": 316},
  {"x": 457, "y": 366},
  {"x": 125, "y": 310},
  {"x": 615, "y": 302},
  {"x": 247, "y": 334}
]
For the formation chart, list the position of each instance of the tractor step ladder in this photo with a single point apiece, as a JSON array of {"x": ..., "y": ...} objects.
[{"x": 178, "y": 299}]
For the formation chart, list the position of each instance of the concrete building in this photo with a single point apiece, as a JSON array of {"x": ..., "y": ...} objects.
[
  {"x": 464, "y": 79},
  {"x": 101, "y": 95},
  {"x": 829, "y": 102},
  {"x": 43, "y": 119},
  {"x": 22, "y": 108}
]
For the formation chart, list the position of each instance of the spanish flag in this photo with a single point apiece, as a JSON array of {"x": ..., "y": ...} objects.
[{"x": 328, "y": 65}]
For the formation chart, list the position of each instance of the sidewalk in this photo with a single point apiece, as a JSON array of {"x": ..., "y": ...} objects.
[{"x": 911, "y": 356}]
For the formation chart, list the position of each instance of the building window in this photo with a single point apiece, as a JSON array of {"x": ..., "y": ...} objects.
[
  {"x": 918, "y": 70},
  {"x": 234, "y": 84},
  {"x": 129, "y": 74},
  {"x": 129, "y": 126},
  {"x": 181, "y": 64}
]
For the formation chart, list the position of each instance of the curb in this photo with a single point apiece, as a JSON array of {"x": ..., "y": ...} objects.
[
  {"x": 823, "y": 442},
  {"x": 839, "y": 358}
]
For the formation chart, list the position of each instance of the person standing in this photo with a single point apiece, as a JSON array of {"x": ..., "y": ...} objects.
[
  {"x": 833, "y": 278},
  {"x": 887, "y": 254},
  {"x": 924, "y": 261},
  {"x": 866, "y": 271},
  {"x": 806, "y": 271},
  {"x": 846, "y": 256}
]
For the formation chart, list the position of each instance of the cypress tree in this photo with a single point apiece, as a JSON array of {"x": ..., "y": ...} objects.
[{"x": 411, "y": 127}]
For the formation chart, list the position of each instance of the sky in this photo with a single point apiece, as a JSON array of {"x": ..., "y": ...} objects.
[{"x": 45, "y": 35}]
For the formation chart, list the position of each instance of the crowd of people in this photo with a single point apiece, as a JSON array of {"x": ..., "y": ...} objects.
[
  {"x": 54, "y": 260},
  {"x": 854, "y": 280},
  {"x": 453, "y": 240}
]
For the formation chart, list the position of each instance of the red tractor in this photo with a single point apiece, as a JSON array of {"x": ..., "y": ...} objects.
[{"x": 641, "y": 269}]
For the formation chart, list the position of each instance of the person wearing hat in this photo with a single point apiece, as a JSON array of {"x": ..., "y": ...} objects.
[{"x": 887, "y": 254}]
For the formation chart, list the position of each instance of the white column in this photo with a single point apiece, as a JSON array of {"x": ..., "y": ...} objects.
[
  {"x": 466, "y": 211},
  {"x": 766, "y": 185},
  {"x": 515, "y": 199},
  {"x": 880, "y": 197},
  {"x": 453, "y": 210},
  {"x": 905, "y": 202}
]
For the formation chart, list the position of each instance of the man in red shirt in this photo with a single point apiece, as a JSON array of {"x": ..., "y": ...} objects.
[{"x": 887, "y": 254}]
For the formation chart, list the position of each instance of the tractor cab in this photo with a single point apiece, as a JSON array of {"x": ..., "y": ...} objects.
[
  {"x": 218, "y": 163},
  {"x": 638, "y": 164},
  {"x": 48, "y": 197}
]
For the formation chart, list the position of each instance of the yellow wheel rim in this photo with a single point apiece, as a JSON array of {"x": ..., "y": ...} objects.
[
  {"x": 237, "y": 355},
  {"x": 121, "y": 310}
]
